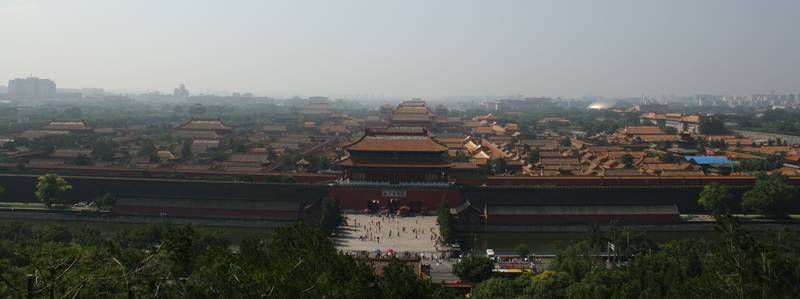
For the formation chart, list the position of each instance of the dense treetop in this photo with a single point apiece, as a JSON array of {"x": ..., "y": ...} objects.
[
  {"x": 739, "y": 264},
  {"x": 183, "y": 262}
]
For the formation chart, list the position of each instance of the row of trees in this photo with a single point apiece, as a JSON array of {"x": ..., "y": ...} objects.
[
  {"x": 712, "y": 125},
  {"x": 767, "y": 164},
  {"x": 494, "y": 167},
  {"x": 771, "y": 196},
  {"x": 774, "y": 120},
  {"x": 447, "y": 225},
  {"x": 331, "y": 215},
  {"x": 170, "y": 261},
  {"x": 739, "y": 264},
  {"x": 51, "y": 188},
  {"x": 102, "y": 146}
]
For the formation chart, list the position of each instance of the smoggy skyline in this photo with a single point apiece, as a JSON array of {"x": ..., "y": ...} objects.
[{"x": 407, "y": 48}]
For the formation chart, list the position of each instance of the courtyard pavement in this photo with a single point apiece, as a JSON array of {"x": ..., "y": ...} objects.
[{"x": 368, "y": 232}]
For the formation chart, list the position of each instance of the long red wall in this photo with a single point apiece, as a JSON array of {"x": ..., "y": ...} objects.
[
  {"x": 612, "y": 181},
  {"x": 167, "y": 173},
  {"x": 470, "y": 181},
  {"x": 204, "y": 212},
  {"x": 581, "y": 219}
]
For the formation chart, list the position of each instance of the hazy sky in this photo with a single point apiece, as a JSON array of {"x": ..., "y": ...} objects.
[{"x": 407, "y": 48}]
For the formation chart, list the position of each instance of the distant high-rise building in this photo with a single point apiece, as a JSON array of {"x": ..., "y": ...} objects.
[
  {"x": 525, "y": 104},
  {"x": 181, "y": 92},
  {"x": 31, "y": 87}
]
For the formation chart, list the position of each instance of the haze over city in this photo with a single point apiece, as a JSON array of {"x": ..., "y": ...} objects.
[
  {"x": 407, "y": 48},
  {"x": 399, "y": 149}
]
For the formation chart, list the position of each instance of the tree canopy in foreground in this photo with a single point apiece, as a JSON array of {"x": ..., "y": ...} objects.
[
  {"x": 183, "y": 262},
  {"x": 739, "y": 264}
]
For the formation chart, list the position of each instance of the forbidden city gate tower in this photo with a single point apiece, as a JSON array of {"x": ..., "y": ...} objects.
[
  {"x": 395, "y": 163},
  {"x": 396, "y": 155}
]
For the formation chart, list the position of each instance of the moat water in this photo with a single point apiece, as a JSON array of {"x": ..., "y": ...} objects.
[
  {"x": 234, "y": 234},
  {"x": 548, "y": 242},
  {"x": 502, "y": 243}
]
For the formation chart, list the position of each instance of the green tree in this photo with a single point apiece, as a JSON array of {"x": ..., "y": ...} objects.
[
  {"x": 501, "y": 166},
  {"x": 598, "y": 284},
  {"x": 670, "y": 158},
  {"x": 533, "y": 156},
  {"x": 218, "y": 155},
  {"x": 303, "y": 263},
  {"x": 758, "y": 164},
  {"x": 717, "y": 199},
  {"x": 712, "y": 125},
  {"x": 576, "y": 259},
  {"x": 88, "y": 236},
  {"x": 238, "y": 146},
  {"x": 771, "y": 196},
  {"x": 271, "y": 154},
  {"x": 548, "y": 284},
  {"x": 670, "y": 130},
  {"x": 154, "y": 157},
  {"x": 442, "y": 292},
  {"x": 331, "y": 215},
  {"x": 494, "y": 288},
  {"x": 323, "y": 163},
  {"x": 474, "y": 269},
  {"x": 103, "y": 148},
  {"x": 399, "y": 281},
  {"x": 287, "y": 161},
  {"x": 446, "y": 223},
  {"x": 522, "y": 249},
  {"x": 186, "y": 149},
  {"x": 460, "y": 157},
  {"x": 486, "y": 168},
  {"x": 298, "y": 261},
  {"x": 82, "y": 159},
  {"x": 627, "y": 160},
  {"x": 53, "y": 233},
  {"x": 50, "y": 188},
  {"x": 148, "y": 148},
  {"x": 566, "y": 142},
  {"x": 105, "y": 202}
]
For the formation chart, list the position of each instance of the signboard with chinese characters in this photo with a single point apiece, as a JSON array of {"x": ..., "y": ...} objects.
[{"x": 394, "y": 193}]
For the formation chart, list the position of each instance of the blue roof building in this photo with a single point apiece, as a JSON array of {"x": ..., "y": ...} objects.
[{"x": 708, "y": 160}]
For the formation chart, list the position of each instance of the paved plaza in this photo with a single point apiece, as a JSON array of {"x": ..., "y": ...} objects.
[{"x": 415, "y": 234}]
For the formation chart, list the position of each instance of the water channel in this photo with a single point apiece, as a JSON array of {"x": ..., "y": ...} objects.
[
  {"x": 548, "y": 242},
  {"x": 234, "y": 234},
  {"x": 502, "y": 243}
]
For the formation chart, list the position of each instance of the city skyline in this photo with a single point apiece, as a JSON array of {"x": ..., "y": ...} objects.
[
  {"x": 622, "y": 48},
  {"x": 223, "y": 93}
]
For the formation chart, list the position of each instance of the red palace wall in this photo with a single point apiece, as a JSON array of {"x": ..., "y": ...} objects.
[
  {"x": 612, "y": 181},
  {"x": 581, "y": 219},
  {"x": 357, "y": 198},
  {"x": 205, "y": 212},
  {"x": 169, "y": 173}
]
